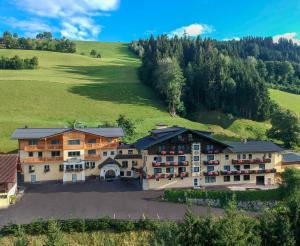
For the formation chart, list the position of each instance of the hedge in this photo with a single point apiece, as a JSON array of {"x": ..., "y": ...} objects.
[
  {"x": 39, "y": 227},
  {"x": 180, "y": 195}
]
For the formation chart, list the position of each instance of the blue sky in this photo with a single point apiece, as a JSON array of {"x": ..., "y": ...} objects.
[{"x": 126, "y": 20}]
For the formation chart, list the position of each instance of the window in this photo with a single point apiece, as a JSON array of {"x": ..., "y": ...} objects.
[
  {"x": 180, "y": 138},
  {"x": 130, "y": 152},
  {"x": 30, "y": 154},
  {"x": 196, "y": 169},
  {"x": 73, "y": 153},
  {"x": 246, "y": 177},
  {"x": 170, "y": 170},
  {"x": 124, "y": 164},
  {"x": 120, "y": 152},
  {"x": 209, "y": 147},
  {"x": 69, "y": 167},
  {"x": 92, "y": 164},
  {"x": 181, "y": 147},
  {"x": 237, "y": 167},
  {"x": 227, "y": 168},
  {"x": 112, "y": 152},
  {"x": 210, "y": 168},
  {"x": 181, "y": 169},
  {"x": 86, "y": 165},
  {"x": 169, "y": 158},
  {"x": 226, "y": 157},
  {"x": 134, "y": 163},
  {"x": 74, "y": 142},
  {"x": 104, "y": 153},
  {"x": 122, "y": 173},
  {"x": 92, "y": 152},
  {"x": 226, "y": 178},
  {"x": 196, "y": 183},
  {"x": 40, "y": 154},
  {"x": 109, "y": 140},
  {"x": 157, "y": 170},
  {"x": 196, "y": 158},
  {"x": 181, "y": 158},
  {"x": 61, "y": 167},
  {"x": 210, "y": 179},
  {"x": 250, "y": 156},
  {"x": 190, "y": 137},
  {"x": 244, "y": 156},
  {"x": 55, "y": 141},
  {"x": 246, "y": 166},
  {"x": 32, "y": 141},
  {"x": 92, "y": 140},
  {"x": 270, "y": 155},
  {"x": 157, "y": 158},
  {"x": 55, "y": 153},
  {"x": 210, "y": 157},
  {"x": 236, "y": 178},
  {"x": 46, "y": 168},
  {"x": 238, "y": 156},
  {"x": 31, "y": 169},
  {"x": 128, "y": 173},
  {"x": 262, "y": 166},
  {"x": 196, "y": 147},
  {"x": 78, "y": 166}
]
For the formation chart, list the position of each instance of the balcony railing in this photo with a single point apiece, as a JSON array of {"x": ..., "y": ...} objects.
[
  {"x": 251, "y": 161},
  {"x": 54, "y": 146},
  {"x": 41, "y": 159},
  {"x": 211, "y": 151},
  {"x": 43, "y": 147},
  {"x": 212, "y": 162},
  {"x": 168, "y": 175},
  {"x": 92, "y": 157},
  {"x": 70, "y": 170},
  {"x": 92, "y": 145},
  {"x": 214, "y": 173},
  {"x": 260, "y": 171},
  {"x": 170, "y": 164},
  {"x": 172, "y": 152}
]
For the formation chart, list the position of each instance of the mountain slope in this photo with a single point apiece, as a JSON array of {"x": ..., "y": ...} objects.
[{"x": 66, "y": 87}]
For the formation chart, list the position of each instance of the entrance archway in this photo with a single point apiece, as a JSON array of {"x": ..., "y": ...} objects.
[{"x": 110, "y": 174}]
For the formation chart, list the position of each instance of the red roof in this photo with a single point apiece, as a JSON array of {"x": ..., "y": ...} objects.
[{"x": 8, "y": 168}]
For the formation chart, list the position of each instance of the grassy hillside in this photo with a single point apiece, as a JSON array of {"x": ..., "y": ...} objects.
[
  {"x": 286, "y": 100},
  {"x": 75, "y": 86}
]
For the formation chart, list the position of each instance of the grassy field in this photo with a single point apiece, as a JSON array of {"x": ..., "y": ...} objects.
[
  {"x": 89, "y": 239},
  {"x": 286, "y": 100},
  {"x": 66, "y": 87}
]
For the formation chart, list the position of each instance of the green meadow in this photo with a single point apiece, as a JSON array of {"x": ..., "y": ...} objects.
[{"x": 68, "y": 87}]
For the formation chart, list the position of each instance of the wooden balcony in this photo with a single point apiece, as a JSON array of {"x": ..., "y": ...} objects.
[
  {"x": 54, "y": 146},
  {"x": 41, "y": 159},
  {"x": 92, "y": 145},
  {"x": 34, "y": 147},
  {"x": 251, "y": 161},
  {"x": 92, "y": 157}
]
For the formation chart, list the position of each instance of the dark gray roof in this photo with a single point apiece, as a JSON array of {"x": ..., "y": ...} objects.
[
  {"x": 253, "y": 147},
  {"x": 37, "y": 133},
  {"x": 161, "y": 135},
  {"x": 291, "y": 157}
]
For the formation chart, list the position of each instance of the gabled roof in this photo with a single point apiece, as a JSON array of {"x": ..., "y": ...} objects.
[
  {"x": 8, "y": 168},
  {"x": 37, "y": 133},
  {"x": 253, "y": 147},
  {"x": 291, "y": 157},
  {"x": 108, "y": 161},
  {"x": 161, "y": 135}
]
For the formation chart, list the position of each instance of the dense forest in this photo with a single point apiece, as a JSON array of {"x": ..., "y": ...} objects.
[
  {"x": 18, "y": 63},
  {"x": 43, "y": 41},
  {"x": 231, "y": 76}
]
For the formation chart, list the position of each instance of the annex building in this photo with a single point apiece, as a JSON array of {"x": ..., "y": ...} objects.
[{"x": 168, "y": 157}]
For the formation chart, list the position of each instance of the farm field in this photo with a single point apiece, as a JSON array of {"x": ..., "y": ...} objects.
[{"x": 69, "y": 87}]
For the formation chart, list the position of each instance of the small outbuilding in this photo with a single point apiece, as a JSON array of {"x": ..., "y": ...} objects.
[{"x": 8, "y": 179}]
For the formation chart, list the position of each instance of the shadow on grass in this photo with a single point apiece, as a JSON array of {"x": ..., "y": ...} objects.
[{"x": 215, "y": 118}]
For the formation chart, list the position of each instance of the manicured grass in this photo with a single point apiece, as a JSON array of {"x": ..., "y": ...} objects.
[
  {"x": 92, "y": 238},
  {"x": 286, "y": 100},
  {"x": 66, "y": 87}
]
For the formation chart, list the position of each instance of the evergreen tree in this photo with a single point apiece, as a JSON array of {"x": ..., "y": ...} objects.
[{"x": 54, "y": 234}]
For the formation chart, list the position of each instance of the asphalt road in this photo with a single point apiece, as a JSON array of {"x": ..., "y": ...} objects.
[{"x": 119, "y": 199}]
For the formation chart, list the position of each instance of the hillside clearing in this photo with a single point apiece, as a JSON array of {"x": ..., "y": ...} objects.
[
  {"x": 66, "y": 87},
  {"x": 286, "y": 100}
]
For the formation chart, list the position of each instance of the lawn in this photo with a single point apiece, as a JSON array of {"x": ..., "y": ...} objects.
[
  {"x": 66, "y": 87},
  {"x": 286, "y": 100}
]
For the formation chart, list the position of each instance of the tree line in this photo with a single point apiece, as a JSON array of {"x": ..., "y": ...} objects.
[
  {"x": 231, "y": 76},
  {"x": 43, "y": 41},
  {"x": 18, "y": 63}
]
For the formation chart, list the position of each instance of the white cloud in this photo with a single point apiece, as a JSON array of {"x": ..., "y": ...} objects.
[
  {"x": 76, "y": 17},
  {"x": 192, "y": 30},
  {"x": 289, "y": 36}
]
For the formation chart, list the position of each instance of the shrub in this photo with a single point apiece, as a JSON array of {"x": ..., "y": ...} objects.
[
  {"x": 21, "y": 239},
  {"x": 54, "y": 235}
]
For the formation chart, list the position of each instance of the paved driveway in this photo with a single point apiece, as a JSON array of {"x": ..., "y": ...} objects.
[{"x": 119, "y": 199}]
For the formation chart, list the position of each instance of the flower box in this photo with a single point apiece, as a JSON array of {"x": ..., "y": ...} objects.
[
  {"x": 167, "y": 164},
  {"x": 172, "y": 152},
  {"x": 163, "y": 152},
  {"x": 180, "y": 152},
  {"x": 175, "y": 164}
]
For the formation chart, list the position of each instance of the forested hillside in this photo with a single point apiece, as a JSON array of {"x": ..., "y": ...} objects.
[{"x": 231, "y": 76}]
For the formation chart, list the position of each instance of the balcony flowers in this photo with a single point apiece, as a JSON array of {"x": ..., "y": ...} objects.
[
  {"x": 156, "y": 164},
  {"x": 175, "y": 164},
  {"x": 167, "y": 164},
  {"x": 183, "y": 174},
  {"x": 172, "y": 152},
  {"x": 163, "y": 152},
  {"x": 180, "y": 152},
  {"x": 184, "y": 163}
]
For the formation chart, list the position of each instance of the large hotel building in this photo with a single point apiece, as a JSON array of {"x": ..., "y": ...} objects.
[{"x": 168, "y": 157}]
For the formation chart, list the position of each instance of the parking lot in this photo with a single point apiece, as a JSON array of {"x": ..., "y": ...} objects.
[{"x": 119, "y": 199}]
